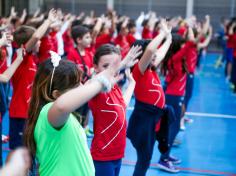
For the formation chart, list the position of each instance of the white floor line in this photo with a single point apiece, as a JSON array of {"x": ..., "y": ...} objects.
[{"x": 199, "y": 114}]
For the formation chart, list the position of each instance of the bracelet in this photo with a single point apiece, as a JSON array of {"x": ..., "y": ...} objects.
[{"x": 105, "y": 83}]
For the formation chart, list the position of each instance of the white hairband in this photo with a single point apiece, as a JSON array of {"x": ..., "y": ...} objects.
[{"x": 55, "y": 59}]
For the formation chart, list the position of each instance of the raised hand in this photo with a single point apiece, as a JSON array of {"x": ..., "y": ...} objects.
[
  {"x": 52, "y": 15},
  {"x": 36, "y": 13},
  {"x": 164, "y": 27},
  {"x": 6, "y": 39},
  {"x": 13, "y": 12},
  {"x": 131, "y": 58}
]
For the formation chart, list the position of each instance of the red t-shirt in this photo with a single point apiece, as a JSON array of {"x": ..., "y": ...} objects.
[
  {"x": 148, "y": 87},
  {"x": 182, "y": 30},
  {"x": 3, "y": 59},
  {"x": 109, "y": 113},
  {"x": 48, "y": 42},
  {"x": 68, "y": 41},
  {"x": 22, "y": 82},
  {"x": 123, "y": 43},
  {"x": 155, "y": 33},
  {"x": 234, "y": 41},
  {"x": 191, "y": 59},
  {"x": 103, "y": 39},
  {"x": 74, "y": 56},
  {"x": 147, "y": 33},
  {"x": 230, "y": 42},
  {"x": 131, "y": 39},
  {"x": 176, "y": 77}
]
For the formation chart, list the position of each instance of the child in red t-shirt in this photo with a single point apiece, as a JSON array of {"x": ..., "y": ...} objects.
[
  {"x": 109, "y": 113},
  {"x": 82, "y": 55},
  {"x": 22, "y": 80},
  {"x": 150, "y": 99},
  {"x": 132, "y": 30},
  {"x": 176, "y": 76},
  {"x": 121, "y": 39}
]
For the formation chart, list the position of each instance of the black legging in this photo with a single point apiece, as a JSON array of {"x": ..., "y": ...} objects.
[{"x": 141, "y": 132}]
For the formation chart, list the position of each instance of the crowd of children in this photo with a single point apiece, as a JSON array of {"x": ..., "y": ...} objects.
[
  {"x": 62, "y": 66},
  {"x": 227, "y": 41}
]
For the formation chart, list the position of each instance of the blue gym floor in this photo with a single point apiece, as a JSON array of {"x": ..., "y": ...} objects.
[{"x": 209, "y": 144}]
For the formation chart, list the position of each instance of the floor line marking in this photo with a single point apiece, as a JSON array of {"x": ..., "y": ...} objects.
[
  {"x": 193, "y": 170},
  {"x": 200, "y": 114}
]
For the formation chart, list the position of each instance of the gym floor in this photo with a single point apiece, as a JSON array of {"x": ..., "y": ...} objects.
[{"x": 208, "y": 144}]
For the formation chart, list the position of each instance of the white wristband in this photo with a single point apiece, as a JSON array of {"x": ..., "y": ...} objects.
[{"x": 105, "y": 83}]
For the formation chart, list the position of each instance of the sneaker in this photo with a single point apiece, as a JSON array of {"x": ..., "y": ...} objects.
[
  {"x": 5, "y": 139},
  {"x": 182, "y": 128},
  {"x": 167, "y": 166},
  {"x": 188, "y": 120},
  {"x": 177, "y": 143},
  {"x": 174, "y": 160}
]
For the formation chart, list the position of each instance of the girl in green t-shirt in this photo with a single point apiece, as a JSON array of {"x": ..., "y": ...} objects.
[{"x": 52, "y": 133}]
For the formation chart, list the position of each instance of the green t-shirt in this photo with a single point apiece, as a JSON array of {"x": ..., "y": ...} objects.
[{"x": 62, "y": 152}]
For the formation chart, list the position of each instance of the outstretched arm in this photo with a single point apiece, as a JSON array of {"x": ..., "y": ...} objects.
[
  {"x": 39, "y": 33},
  {"x": 152, "y": 47},
  {"x": 6, "y": 76}
]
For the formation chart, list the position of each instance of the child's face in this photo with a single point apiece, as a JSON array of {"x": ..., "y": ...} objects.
[
  {"x": 105, "y": 61},
  {"x": 86, "y": 40},
  {"x": 133, "y": 30}
]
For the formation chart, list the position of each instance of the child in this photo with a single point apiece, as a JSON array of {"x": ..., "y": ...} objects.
[
  {"x": 150, "y": 99},
  {"x": 6, "y": 76},
  {"x": 109, "y": 113},
  {"x": 22, "y": 80},
  {"x": 121, "y": 39},
  {"x": 53, "y": 135},
  {"x": 174, "y": 67}
]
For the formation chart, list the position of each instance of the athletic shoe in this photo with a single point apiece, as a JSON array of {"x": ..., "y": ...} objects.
[
  {"x": 167, "y": 166},
  {"x": 174, "y": 160},
  {"x": 177, "y": 143},
  {"x": 5, "y": 139},
  {"x": 188, "y": 120},
  {"x": 182, "y": 128}
]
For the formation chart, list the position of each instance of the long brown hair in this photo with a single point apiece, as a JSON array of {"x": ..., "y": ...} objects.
[{"x": 66, "y": 76}]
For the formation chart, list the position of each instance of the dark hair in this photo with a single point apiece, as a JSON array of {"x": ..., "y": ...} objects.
[
  {"x": 104, "y": 50},
  {"x": 23, "y": 34},
  {"x": 78, "y": 32},
  {"x": 143, "y": 43},
  {"x": 145, "y": 22},
  {"x": 177, "y": 42},
  {"x": 66, "y": 76},
  {"x": 76, "y": 23},
  {"x": 131, "y": 24},
  {"x": 118, "y": 27}
]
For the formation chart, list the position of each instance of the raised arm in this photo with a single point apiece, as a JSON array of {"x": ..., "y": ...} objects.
[
  {"x": 206, "y": 25},
  {"x": 39, "y": 33},
  {"x": 231, "y": 28},
  {"x": 6, "y": 76},
  {"x": 97, "y": 29},
  {"x": 71, "y": 100},
  {"x": 207, "y": 40},
  {"x": 23, "y": 16},
  {"x": 130, "y": 89},
  {"x": 161, "y": 52},
  {"x": 152, "y": 47}
]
